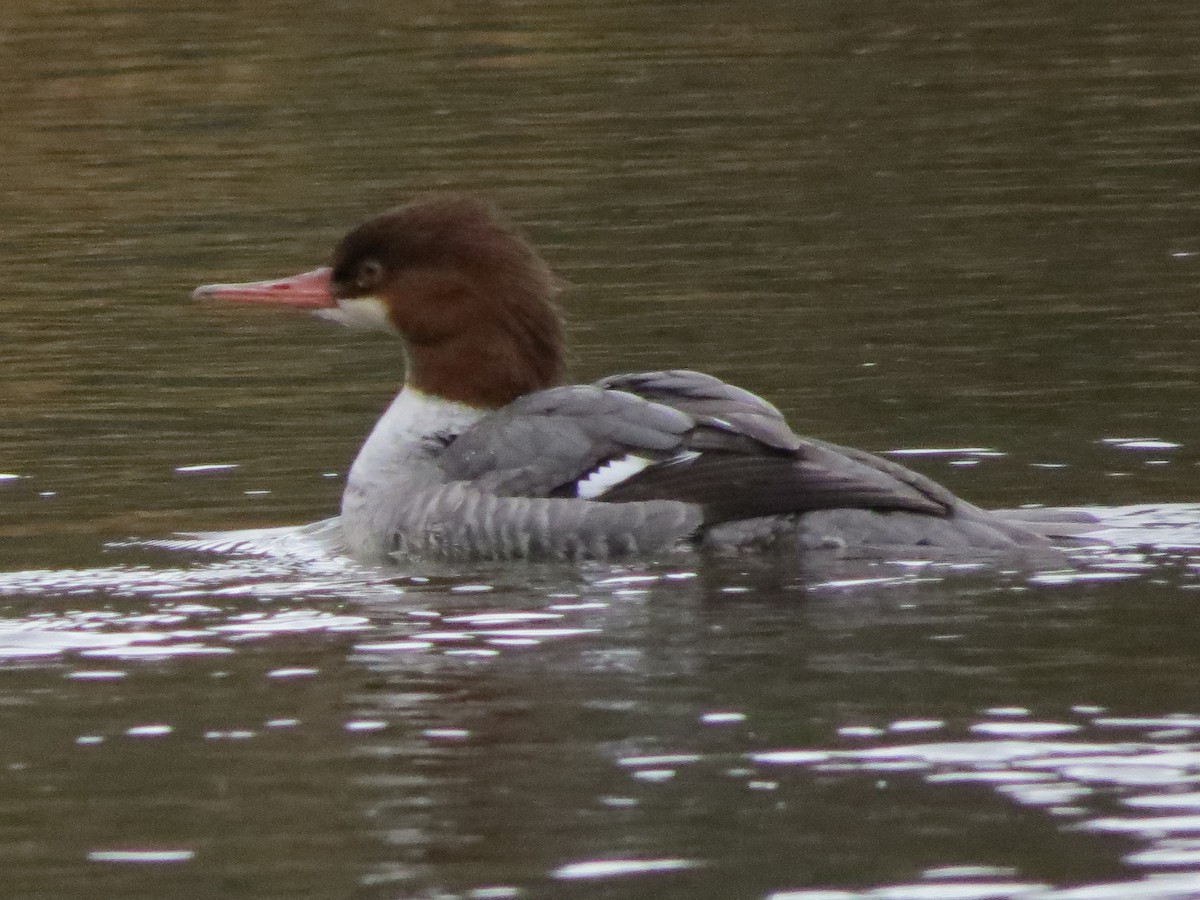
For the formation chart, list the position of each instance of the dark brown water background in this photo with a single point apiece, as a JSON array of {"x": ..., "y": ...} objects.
[{"x": 912, "y": 225}]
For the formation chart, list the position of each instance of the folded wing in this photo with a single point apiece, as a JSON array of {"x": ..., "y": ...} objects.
[{"x": 679, "y": 436}]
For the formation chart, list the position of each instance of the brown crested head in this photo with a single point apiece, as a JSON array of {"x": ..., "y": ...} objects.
[{"x": 471, "y": 297}]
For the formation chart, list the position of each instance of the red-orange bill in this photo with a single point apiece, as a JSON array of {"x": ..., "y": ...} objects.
[{"x": 309, "y": 290}]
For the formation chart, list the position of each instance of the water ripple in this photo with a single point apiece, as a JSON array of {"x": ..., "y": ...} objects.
[{"x": 1075, "y": 781}]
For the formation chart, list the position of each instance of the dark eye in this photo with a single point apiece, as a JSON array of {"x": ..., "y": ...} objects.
[{"x": 370, "y": 271}]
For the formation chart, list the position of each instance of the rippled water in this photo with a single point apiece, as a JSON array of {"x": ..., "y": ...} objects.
[
  {"x": 960, "y": 232},
  {"x": 250, "y": 709}
]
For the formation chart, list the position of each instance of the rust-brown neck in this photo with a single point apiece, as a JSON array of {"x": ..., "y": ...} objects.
[
  {"x": 493, "y": 361},
  {"x": 471, "y": 297}
]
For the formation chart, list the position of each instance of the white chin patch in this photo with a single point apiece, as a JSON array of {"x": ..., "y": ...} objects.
[{"x": 367, "y": 313}]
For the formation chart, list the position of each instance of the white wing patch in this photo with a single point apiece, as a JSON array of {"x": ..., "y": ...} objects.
[{"x": 621, "y": 469}]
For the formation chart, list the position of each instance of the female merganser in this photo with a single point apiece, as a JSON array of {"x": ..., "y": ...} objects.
[{"x": 487, "y": 454}]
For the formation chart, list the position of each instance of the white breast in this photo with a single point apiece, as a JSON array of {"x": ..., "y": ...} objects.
[{"x": 405, "y": 433}]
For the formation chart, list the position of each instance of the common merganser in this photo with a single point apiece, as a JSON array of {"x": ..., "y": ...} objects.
[{"x": 487, "y": 454}]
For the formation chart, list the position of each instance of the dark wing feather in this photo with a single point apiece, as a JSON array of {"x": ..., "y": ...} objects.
[
  {"x": 887, "y": 468},
  {"x": 711, "y": 402},
  {"x": 738, "y": 486},
  {"x": 811, "y": 474},
  {"x": 719, "y": 447}
]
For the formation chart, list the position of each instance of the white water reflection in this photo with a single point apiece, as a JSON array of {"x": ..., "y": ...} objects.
[
  {"x": 165, "y": 609},
  {"x": 1181, "y": 887},
  {"x": 141, "y": 857},
  {"x": 264, "y": 583},
  {"x": 1076, "y": 782},
  {"x": 1090, "y": 771},
  {"x": 620, "y": 868}
]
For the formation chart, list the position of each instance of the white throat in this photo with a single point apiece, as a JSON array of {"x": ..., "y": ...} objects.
[
  {"x": 366, "y": 313},
  {"x": 409, "y": 432}
]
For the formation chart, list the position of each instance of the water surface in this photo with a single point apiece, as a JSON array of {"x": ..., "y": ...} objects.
[{"x": 914, "y": 226}]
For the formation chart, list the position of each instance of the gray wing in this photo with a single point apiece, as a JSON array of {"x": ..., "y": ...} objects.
[
  {"x": 723, "y": 407},
  {"x": 707, "y": 443},
  {"x": 551, "y": 438}
]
